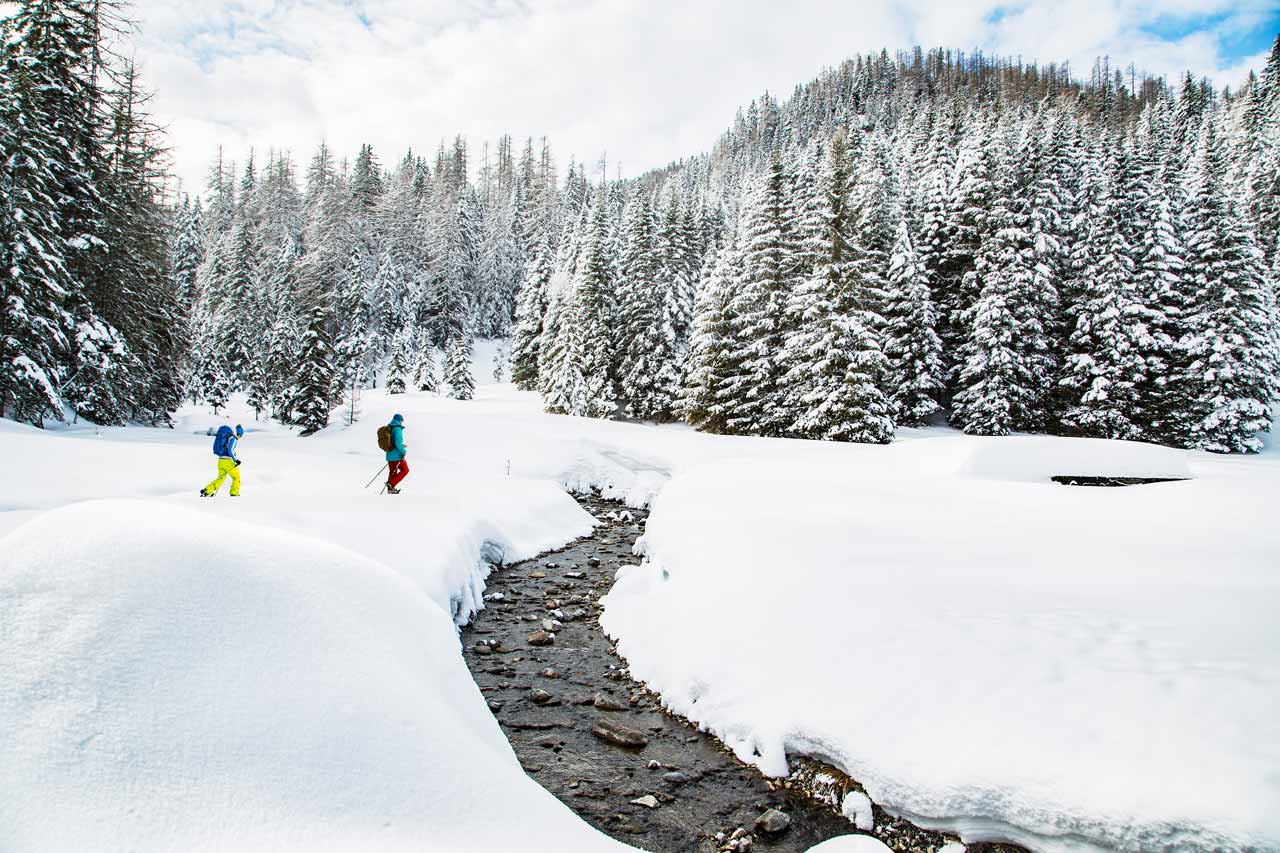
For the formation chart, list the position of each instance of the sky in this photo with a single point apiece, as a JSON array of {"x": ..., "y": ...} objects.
[{"x": 643, "y": 82}]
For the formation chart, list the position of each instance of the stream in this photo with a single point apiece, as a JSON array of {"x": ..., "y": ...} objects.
[{"x": 602, "y": 744}]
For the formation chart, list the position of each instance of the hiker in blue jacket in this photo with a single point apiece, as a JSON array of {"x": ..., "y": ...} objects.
[
  {"x": 397, "y": 468},
  {"x": 224, "y": 447}
]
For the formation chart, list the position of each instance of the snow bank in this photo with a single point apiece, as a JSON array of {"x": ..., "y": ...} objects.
[
  {"x": 172, "y": 683},
  {"x": 1038, "y": 458},
  {"x": 1073, "y": 669},
  {"x": 851, "y": 844}
]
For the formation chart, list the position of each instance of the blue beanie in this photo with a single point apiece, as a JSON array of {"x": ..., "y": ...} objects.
[
  {"x": 397, "y": 419},
  {"x": 239, "y": 431}
]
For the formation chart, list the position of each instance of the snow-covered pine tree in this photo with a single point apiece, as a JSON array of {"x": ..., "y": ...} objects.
[
  {"x": 457, "y": 367},
  {"x": 817, "y": 213},
  {"x": 352, "y": 317},
  {"x": 455, "y": 282},
  {"x": 102, "y": 368},
  {"x": 840, "y": 370},
  {"x": 236, "y": 308},
  {"x": 398, "y": 366},
  {"x": 875, "y": 205},
  {"x": 911, "y": 341},
  {"x": 1007, "y": 363},
  {"x": 674, "y": 275},
  {"x": 1160, "y": 288},
  {"x": 314, "y": 386},
  {"x": 592, "y": 317},
  {"x": 937, "y": 189},
  {"x": 34, "y": 278},
  {"x": 647, "y": 372},
  {"x": 1103, "y": 364},
  {"x": 188, "y": 250},
  {"x": 1049, "y": 203},
  {"x": 954, "y": 285},
  {"x": 259, "y": 391},
  {"x": 1262, "y": 144},
  {"x": 526, "y": 340},
  {"x": 500, "y": 270},
  {"x": 560, "y": 375},
  {"x": 281, "y": 359},
  {"x": 211, "y": 377},
  {"x": 424, "y": 364},
  {"x": 753, "y": 369},
  {"x": 1231, "y": 380},
  {"x": 702, "y": 403},
  {"x": 366, "y": 179}
]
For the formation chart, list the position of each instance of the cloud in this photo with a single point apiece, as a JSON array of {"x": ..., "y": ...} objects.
[{"x": 648, "y": 82}]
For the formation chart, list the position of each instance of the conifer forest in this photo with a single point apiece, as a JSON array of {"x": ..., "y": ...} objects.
[{"x": 911, "y": 238}]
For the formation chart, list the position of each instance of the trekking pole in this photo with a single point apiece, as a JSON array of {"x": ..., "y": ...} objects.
[{"x": 375, "y": 476}]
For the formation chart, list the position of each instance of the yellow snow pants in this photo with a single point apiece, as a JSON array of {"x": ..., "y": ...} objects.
[{"x": 225, "y": 467}]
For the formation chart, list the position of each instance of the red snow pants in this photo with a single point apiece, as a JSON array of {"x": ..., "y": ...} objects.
[{"x": 396, "y": 471}]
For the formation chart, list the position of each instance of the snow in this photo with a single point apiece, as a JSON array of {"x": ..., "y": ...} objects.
[
  {"x": 851, "y": 844},
  {"x": 201, "y": 685},
  {"x": 276, "y": 672},
  {"x": 982, "y": 649},
  {"x": 1037, "y": 458},
  {"x": 856, "y": 806}
]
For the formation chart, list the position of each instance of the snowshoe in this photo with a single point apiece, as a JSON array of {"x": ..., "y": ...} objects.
[
  {"x": 204, "y": 493},
  {"x": 392, "y": 491}
]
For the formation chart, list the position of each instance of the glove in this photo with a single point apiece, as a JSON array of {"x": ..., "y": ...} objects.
[{"x": 237, "y": 463}]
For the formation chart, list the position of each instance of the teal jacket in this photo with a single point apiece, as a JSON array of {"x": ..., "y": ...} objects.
[{"x": 396, "y": 453}]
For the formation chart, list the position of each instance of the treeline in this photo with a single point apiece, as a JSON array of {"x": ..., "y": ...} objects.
[
  {"x": 303, "y": 295},
  {"x": 935, "y": 237},
  {"x": 90, "y": 324},
  {"x": 904, "y": 240}
]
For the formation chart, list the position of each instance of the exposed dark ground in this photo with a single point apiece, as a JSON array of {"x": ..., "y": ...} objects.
[{"x": 548, "y": 698}]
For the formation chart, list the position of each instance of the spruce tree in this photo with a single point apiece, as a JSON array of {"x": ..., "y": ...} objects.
[
  {"x": 1103, "y": 364},
  {"x": 837, "y": 366},
  {"x": 236, "y": 310},
  {"x": 674, "y": 273},
  {"x": 911, "y": 341},
  {"x": 560, "y": 376},
  {"x": 526, "y": 341},
  {"x": 955, "y": 287},
  {"x": 424, "y": 365},
  {"x": 592, "y": 318},
  {"x": 1231, "y": 380},
  {"x": 34, "y": 278},
  {"x": 457, "y": 368},
  {"x": 314, "y": 386},
  {"x": 1007, "y": 362},
  {"x": 754, "y": 371},
  {"x": 704, "y": 403},
  {"x": 259, "y": 396},
  {"x": 1160, "y": 287},
  {"x": 398, "y": 367},
  {"x": 648, "y": 375},
  {"x": 102, "y": 369}
]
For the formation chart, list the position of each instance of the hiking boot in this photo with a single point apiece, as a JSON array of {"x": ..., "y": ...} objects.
[
  {"x": 391, "y": 490},
  {"x": 204, "y": 493}
]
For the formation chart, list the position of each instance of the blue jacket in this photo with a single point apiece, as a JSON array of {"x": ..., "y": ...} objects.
[
  {"x": 396, "y": 453},
  {"x": 230, "y": 452}
]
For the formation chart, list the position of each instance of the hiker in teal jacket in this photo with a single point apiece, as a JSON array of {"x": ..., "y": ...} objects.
[{"x": 397, "y": 468}]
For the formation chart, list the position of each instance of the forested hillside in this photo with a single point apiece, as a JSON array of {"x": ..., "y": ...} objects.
[
  {"x": 936, "y": 235},
  {"x": 907, "y": 239}
]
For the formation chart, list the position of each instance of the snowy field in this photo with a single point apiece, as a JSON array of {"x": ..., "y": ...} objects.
[{"x": 1073, "y": 668}]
